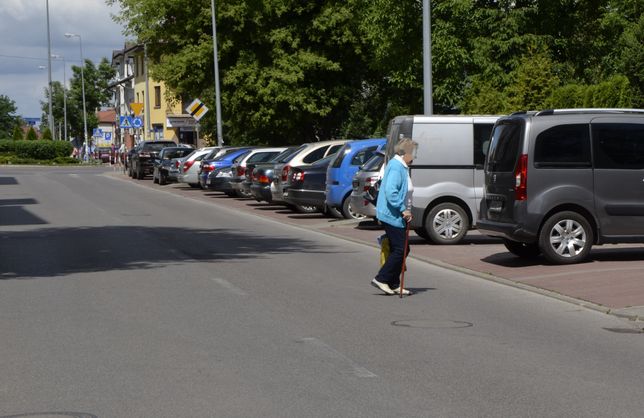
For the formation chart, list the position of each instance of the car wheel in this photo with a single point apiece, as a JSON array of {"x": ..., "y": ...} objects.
[
  {"x": 154, "y": 177},
  {"x": 194, "y": 185},
  {"x": 447, "y": 224},
  {"x": 163, "y": 178},
  {"x": 347, "y": 210},
  {"x": 129, "y": 171},
  {"x": 139, "y": 172},
  {"x": 566, "y": 238},
  {"x": 522, "y": 249}
]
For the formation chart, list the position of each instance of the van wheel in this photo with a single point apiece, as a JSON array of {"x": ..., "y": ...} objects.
[
  {"x": 522, "y": 249},
  {"x": 347, "y": 210},
  {"x": 447, "y": 224},
  {"x": 566, "y": 238}
]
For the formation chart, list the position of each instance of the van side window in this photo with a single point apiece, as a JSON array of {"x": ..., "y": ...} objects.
[
  {"x": 563, "y": 146},
  {"x": 315, "y": 155},
  {"x": 619, "y": 145},
  {"x": 482, "y": 132},
  {"x": 362, "y": 156}
]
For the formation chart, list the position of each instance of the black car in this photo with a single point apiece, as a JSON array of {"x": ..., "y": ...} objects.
[
  {"x": 306, "y": 191},
  {"x": 261, "y": 175},
  {"x": 143, "y": 156},
  {"x": 166, "y": 167}
]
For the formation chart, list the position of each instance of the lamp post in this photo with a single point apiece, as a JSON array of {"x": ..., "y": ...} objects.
[
  {"x": 427, "y": 58},
  {"x": 220, "y": 139},
  {"x": 62, "y": 57},
  {"x": 51, "y": 114},
  {"x": 73, "y": 35}
]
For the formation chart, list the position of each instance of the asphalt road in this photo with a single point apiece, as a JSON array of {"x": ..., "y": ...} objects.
[{"x": 118, "y": 300}]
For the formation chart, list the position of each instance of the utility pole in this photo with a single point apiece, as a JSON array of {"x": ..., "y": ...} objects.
[
  {"x": 148, "y": 126},
  {"x": 220, "y": 138},
  {"x": 427, "y": 58},
  {"x": 51, "y": 113}
]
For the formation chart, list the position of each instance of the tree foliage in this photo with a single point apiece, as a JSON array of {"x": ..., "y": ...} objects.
[
  {"x": 97, "y": 94},
  {"x": 18, "y": 134},
  {"x": 294, "y": 71},
  {"x": 31, "y": 134},
  {"x": 8, "y": 117}
]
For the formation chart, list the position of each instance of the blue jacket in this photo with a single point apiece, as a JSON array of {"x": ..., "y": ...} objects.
[{"x": 392, "y": 197}]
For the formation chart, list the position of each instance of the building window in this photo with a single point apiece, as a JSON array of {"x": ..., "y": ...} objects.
[
  {"x": 157, "y": 96},
  {"x": 137, "y": 98}
]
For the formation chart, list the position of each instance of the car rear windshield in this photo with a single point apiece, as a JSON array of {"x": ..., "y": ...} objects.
[
  {"x": 374, "y": 163},
  {"x": 504, "y": 147},
  {"x": 177, "y": 153},
  {"x": 262, "y": 157},
  {"x": 297, "y": 151},
  {"x": 157, "y": 146},
  {"x": 344, "y": 151}
]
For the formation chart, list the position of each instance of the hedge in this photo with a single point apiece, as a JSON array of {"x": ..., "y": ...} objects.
[{"x": 37, "y": 150}]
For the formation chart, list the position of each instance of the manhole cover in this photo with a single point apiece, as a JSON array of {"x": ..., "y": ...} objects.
[{"x": 432, "y": 324}]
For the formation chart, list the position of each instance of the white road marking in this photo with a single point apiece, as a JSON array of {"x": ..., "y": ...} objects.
[
  {"x": 229, "y": 286},
  {"x": 73, "y": 175},
  {"x": 334, "y": 354}
]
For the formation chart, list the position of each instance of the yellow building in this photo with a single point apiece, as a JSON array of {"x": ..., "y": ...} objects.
[{"x": 167, "y": 119}]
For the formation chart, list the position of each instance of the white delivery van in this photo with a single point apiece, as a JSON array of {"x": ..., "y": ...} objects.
[{"x": 447, "y": 173}]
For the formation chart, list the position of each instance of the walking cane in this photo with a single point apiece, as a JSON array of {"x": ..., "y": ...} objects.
[{"x": 402, "y": 278}]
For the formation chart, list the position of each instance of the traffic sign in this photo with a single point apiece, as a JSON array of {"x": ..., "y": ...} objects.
[
  {"x": 97, "y": 132},
  {"x": 137, "y": 122},
  {"x": 136, "y": 108},
  {"x": 108, "y": 136},
  {"x": 125, "y": 122},
  {"x": 197, "y": 109}
]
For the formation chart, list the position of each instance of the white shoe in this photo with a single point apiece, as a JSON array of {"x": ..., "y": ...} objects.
[
  {"x": 405, "y": 292},
  {"x": 382, "y": 286}
]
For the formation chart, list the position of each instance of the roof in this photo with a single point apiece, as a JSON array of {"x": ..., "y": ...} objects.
[{"x": 106, "y": 116}]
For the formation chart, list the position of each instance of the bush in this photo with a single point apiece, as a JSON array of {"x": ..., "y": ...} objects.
[{"x": 37, "y": 150}]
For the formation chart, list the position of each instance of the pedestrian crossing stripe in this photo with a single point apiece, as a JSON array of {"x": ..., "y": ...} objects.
[{"x": 197, "y": 109}]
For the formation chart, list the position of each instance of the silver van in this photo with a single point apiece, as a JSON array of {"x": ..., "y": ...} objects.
[
  {"x": 447, "y": 173},
  {"x": 559, "y": 181}
]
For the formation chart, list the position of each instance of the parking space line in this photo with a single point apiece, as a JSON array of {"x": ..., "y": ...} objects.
[
  {"x": 229, "y": 286},
  {"x": 331, "y": 353}
]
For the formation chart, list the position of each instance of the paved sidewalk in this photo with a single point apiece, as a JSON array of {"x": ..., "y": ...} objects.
[{"x": 612, "y": 281}]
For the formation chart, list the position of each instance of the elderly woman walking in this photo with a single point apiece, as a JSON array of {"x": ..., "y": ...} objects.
[{"x": 393, "y": 209}]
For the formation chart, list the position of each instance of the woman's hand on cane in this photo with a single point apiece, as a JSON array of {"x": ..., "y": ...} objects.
[{"x": 407, "y": 215}]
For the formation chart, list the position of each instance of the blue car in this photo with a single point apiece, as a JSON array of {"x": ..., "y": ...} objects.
[
  {"x": 224, "y": 160},
  {"x": 341, "y": 171}
]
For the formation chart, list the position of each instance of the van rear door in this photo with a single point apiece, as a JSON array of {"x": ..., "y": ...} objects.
[{"x": 500, "y": 179}]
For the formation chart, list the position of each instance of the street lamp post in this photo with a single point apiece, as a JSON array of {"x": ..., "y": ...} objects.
[
  {"x": 64, "y": 92},
  {"x": 220, "y": 138},
  {"x": 72, "y": 35},
  {"x": 51, "y": 113}
]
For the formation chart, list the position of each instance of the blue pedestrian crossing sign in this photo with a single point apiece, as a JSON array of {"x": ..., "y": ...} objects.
[
  {"x": 137, "y": 122},
  {"x": 97, "y": 133},
  {"x": 125, "y": 122}
]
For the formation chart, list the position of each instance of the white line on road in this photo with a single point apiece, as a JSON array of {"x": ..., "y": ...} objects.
[
  {"x": 229, "y": 286},
  {"x": 73, "y": 175},
  {"x": 334, "y": 354}
]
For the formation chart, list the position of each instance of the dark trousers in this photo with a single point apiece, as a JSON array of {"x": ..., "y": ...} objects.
[{"x": 390, "y": 271}]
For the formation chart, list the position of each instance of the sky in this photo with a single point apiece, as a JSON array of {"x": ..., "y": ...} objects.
[{"x": 23, "y": 44}]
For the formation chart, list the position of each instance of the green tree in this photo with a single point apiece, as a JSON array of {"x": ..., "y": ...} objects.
[
  {"x": 31, "y": 134},
  {"x": 18, "y": 134},
  {"x": 97, "y": 94},
  {"x": 8, "y": 117},
  {"x": 46, "y": 134}
]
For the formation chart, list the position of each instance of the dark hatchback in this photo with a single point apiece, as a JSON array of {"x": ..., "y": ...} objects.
[
  {"x": 307, "y": 187},
  {"x": 144, "y": 155},
  {"x": 166, "y": 167},
  {"x": 261, "y": 175}
]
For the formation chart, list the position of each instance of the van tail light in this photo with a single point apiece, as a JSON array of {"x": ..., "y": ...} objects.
[
  {"x": 285, "y": 171},
  {"x": 187, "y": 165},
  {"x": 241, "y": 171},
  {"x": 521, "y": 178}
]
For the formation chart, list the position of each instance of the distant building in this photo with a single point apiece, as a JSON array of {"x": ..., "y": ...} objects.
[
  {"x": 106, "y": 128},
  {"x": 167, "y": 117},
  {"x": 35, "y": 122}
]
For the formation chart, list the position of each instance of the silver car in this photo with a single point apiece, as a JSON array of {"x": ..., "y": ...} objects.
[
  {"x": 189, "y": 168},
  {"x": 363, "y": 182}
]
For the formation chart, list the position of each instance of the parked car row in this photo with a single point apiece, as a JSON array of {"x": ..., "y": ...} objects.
[{"x": 553, "y": 182}]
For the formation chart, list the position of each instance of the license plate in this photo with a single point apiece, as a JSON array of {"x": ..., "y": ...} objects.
[{"x": 495, "y": 205}]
